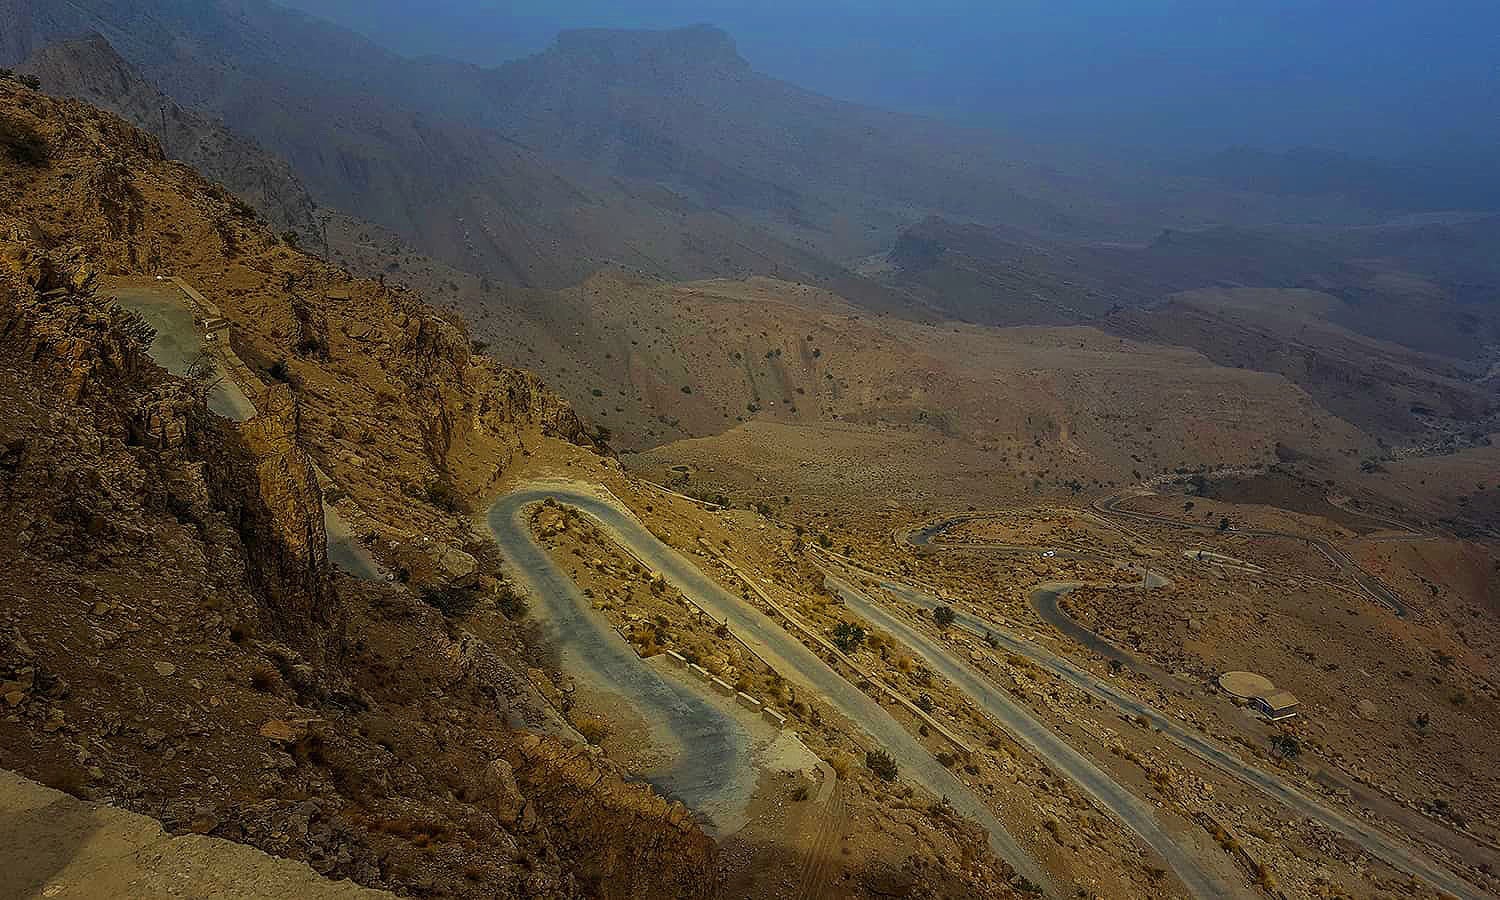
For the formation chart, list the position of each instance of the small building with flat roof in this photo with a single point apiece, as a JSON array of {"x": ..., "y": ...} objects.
[
  {"x": 1264, "y": 696},
  {"x": 1277, "y": 705}
]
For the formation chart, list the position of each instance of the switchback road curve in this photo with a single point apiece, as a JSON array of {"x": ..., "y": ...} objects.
[{"x": 506, "y": 519}]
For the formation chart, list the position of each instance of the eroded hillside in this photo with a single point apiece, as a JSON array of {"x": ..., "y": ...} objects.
[{"x": 175, "y": 639}]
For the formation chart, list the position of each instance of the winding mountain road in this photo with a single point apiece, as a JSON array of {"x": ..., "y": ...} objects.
[
  {"x": 712, "y": 766},
  {"x": 507, "y": 521},
  {"x": 1045, "y": 743},
  {"x": 1373, "y": 840},
  {"x": 1373, "y": 587}
]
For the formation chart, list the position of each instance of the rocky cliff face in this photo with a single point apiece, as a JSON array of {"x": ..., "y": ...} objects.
[
  {"x": 255, "y": 472},
  {"x": 267, "y": 481},
  {"x": 465, "y": 402},
  {"x": 662, "y": 850}
]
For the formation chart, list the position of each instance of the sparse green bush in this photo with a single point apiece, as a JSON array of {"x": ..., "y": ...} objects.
[
  {"x": 848, "y": 636},
  {"x": 944, "y": 616}
]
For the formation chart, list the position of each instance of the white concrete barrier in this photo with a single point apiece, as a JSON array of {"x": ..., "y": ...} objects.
[
  {"x": 676, "y": 659},
  {"x": 724, "y": 687},
  {"x": 747, "y": 701}
]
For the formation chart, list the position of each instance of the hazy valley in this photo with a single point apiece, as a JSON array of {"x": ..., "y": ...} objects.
[{"x": 620, "y": 472}]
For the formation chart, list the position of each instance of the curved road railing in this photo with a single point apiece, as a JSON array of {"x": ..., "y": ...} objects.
[
  {"x": 712, "y": 749},
  {"x": 1373, "y": 587}
]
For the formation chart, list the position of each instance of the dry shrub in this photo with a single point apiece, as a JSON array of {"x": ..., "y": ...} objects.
[{"x": 266, "y": 680}]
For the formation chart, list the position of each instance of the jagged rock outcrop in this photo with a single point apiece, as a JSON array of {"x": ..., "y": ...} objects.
[
  {"x": 257, "y": 469},
  {"x": 274, "y": 490},
  {"x": 463, "y": 397},
  {"x": 51, "y": 309},
  {"x": 627, "y": 840}
]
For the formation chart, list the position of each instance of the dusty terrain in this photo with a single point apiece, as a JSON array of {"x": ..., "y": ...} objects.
[
  {"x": 420, "y": 756},
  {"x": 176, "y": 641},
  {"x": 180, "y": 641}
]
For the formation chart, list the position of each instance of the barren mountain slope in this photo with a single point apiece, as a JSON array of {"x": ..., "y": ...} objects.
[
  {"x": 182, "y": 645},
  {"x": 400, "y": 143},
  {"x": 89, "y": 69},
  {"x": 651, "y": 361},
  {"x": 1389, "y": 327}
]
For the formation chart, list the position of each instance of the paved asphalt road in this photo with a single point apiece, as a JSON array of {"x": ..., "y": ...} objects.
[
  {"x": 1376, "y": 842},
  {"x": 1372, "y": 586},
  {"x": 712, "y": 749},
  {"x": 786, "y": 654},
  {"x": 1026, "y": 728}
]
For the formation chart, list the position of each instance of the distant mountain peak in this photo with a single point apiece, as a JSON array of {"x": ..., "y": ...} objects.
[{"x": 695, "y": 47}]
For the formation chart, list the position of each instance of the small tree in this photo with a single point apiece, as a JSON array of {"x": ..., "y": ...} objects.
[
  {"x": 944, "y": 616},
  {"x": 1286, "y": 745},
  {"x": 882, "y": 764},
  {"x": 202, "y": 377},
  {"x": 848, "y": 636}
]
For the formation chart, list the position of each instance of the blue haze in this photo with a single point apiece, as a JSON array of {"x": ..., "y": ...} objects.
[{"x": 1376, "y": 78}]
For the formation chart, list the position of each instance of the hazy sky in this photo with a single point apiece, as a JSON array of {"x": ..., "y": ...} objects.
[{"x": 1374, "y": 77}]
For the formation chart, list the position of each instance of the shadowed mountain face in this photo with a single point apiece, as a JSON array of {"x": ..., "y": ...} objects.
[
  {"x": 400, "y": 143},
  {"x": 663, "y": 152},
  {"x": 1390, "y": 327},
  {"x": 667, "y": 154},
  {"x": 1385, "y": 274},
  {"x": 1462, "y": 181},
  {"x": 89, "y": 69}
]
